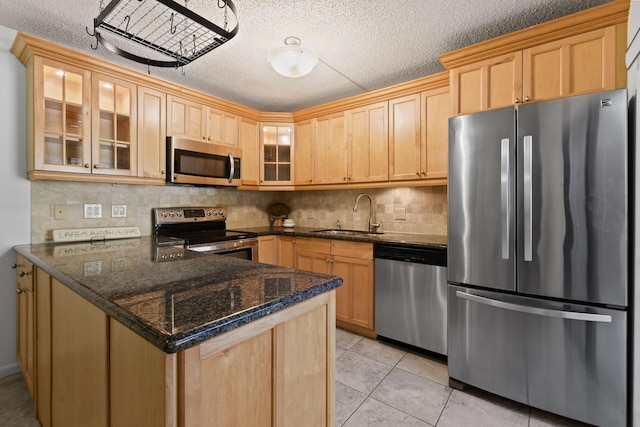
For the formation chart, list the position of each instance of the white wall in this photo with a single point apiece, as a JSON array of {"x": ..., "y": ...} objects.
[{"x": 15, "y": 192}]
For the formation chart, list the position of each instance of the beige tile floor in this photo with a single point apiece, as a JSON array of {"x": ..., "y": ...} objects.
[{"x": 377, "y": 385}]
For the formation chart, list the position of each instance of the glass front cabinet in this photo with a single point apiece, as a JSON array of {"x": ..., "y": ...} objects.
[
  {"x": 83, "y": 123},
  {"x": 62, "y": 116},
  {"x": 276, "y": 154}
]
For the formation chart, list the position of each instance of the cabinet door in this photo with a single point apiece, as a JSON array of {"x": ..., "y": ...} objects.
[
  {"x": 79, "y": 360},
  {"x": 61, "y": 118},
  {"x": 249, "y": 143},
  {"x": 277, "y": 153},
  {"x": 368, "y": 136},
  {"x": 330, "y": 150},
  {"x": 152, "y": 136},
  {"x": 114, "y": 126},
  {"x": 305, "y": 137},
  {"x": 354, "y": 299},
  {"x": 434, "y": 129},
  {"x": 268, "y": 249},
  {"x": 404, "y": 138},
  {"x": 25, "y": 320},
  {"x": 287, "y": 251},
  {"x": 313, "y": 261},
  {"x": 222, "y": 127},
  {"x": 488, "y": 84},
  {"x": 184, "y": 119},
  {"x": 576, "y": 65}
]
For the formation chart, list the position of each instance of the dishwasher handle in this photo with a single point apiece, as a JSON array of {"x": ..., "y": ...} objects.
[{"x": 417, "y": 255}]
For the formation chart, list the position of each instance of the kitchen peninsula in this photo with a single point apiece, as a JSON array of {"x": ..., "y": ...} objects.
[{"x": 122, "y": 338}]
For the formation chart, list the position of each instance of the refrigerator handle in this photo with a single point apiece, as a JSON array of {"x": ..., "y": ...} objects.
[
  {"x": 528, "y": 201},
  {"x": 504, "y": 196},
  {"x": 572, "y": 315}
]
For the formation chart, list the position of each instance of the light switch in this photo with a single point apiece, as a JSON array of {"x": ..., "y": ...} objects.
[
  {"x": 118, "y": 211},
  {"x": 92, "y": 210}
]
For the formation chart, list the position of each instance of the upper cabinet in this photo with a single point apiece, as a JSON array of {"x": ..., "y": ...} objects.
[
  {"x": 368, "y": 143},
  {"x": 573, "y": 55},
  {"x": 276, "y": 155},
  {"x": 330, "y": 150},
  {"x": 193, "y": 120},
  {"x": 60, "y": 117},
  {"x": 418, "y": 135},
  {"x": 114, "y": 121},
  {"x": 249, "y": 143},
  {"x": 152, "y": 133},
  {"x": 303, "y": 157}
]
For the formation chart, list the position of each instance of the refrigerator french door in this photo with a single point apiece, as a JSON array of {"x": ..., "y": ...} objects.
[{"x": 538, "y": 254}]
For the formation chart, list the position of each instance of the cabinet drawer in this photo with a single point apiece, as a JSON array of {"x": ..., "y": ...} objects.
[
  {"x": 352, "y": 249},
  {"x": 321, "y": 246}
]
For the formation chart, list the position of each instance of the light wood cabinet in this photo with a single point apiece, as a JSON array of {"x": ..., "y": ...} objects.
[
  {"x": 275, "y": 371},
  {"x": 59, "y": 114},
  {"x": 268, "y": 250},
  {"x": 579, "y": 64},
  {"x": 287, "y": 257},
  {"x": 353, "y": 262},
  {"x": 276, "y": 154},
  {"x": 114, "y": 122},
  {"x": 249, "y": 143},
  {"x": 184, "y": 118},
  {"x": 330, "y": 152},
  {"x": 368, "y": 143},
  {"x": 152, "y": 133},
  {"x": 305, "y": 141},
  {"x": 72, "y": 357},
  {"x": 193, "y": 120},
  {"x": 419, "y": 135},
  {"x": 25, "y": 321}
]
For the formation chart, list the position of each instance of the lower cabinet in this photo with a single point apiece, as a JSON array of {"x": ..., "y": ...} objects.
[
  {"x": 353, "y": 261},
  {"x": 25, "y": 336},
  {"x": 276, "y": 371},
  {"x": 93, "y": 371}
]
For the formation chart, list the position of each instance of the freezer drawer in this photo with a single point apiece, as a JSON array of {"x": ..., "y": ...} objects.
[{"x": 563, "y": 358}]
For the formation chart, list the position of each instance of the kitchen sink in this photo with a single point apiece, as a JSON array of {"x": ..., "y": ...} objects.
[{"x": 340, "y": 232}]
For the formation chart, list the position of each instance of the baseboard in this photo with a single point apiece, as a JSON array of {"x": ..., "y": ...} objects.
[{"x": 9, "y": 369}]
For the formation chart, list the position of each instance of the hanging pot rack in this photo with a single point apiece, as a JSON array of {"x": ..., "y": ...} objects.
[{"x": 163, "y": 26}]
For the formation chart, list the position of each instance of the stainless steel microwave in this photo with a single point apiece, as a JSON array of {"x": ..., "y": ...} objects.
[{"x": 201, "y": 163}]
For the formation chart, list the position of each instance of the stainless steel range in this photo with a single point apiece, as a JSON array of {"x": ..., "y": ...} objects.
[{"x": 203, "y": 229}]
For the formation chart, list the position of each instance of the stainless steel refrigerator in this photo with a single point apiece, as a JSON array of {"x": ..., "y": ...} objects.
[{"x": 538, "y": 255}]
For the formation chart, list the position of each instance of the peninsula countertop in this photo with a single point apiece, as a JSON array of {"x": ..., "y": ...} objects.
[{"x": 177, "y": 304}]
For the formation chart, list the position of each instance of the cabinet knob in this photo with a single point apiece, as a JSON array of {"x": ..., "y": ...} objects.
[
  {"x": 162, "y": 172},
  {"x": 86, "y": 165},
  {"x": 22, "y": 274},
  {"x": 527, "y": 99},
  {"x": 516, "y": 101},
  {"x": 96, "y": 166},
  {"x": 423, "y": 173},
  {"x": 14, "y": 266},
  {"x": 418, "y": 173},
  {"x": 204, "y": 137},
  {"x": 19, "y": 291}
]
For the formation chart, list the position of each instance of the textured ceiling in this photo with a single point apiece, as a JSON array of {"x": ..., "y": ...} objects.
[{"x": 363, "y": 45}]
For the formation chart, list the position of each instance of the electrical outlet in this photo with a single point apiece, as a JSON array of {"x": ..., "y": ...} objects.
[
  {"x": 59, "y": 211},
  {"x": 92, "y": 210},
  {"x": 118, "y": 211},
  {"x": 400, "y": 213}
]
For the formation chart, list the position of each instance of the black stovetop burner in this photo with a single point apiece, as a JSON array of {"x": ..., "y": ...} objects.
[{"x": 195, "y": 226}]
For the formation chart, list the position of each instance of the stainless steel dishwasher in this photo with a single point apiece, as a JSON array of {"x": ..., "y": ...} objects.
[{"x": 411, "y": 296}]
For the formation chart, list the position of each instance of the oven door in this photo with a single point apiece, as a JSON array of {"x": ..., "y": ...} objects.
[{"x": 242, "y": 248}]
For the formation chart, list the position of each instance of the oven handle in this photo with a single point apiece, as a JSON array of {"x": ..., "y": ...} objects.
[
  {"x": 231, "y": 168},
  {"x": 226, "y": 246}
]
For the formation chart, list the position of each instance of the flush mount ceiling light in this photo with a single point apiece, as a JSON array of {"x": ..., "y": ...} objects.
[
  {"x": 167, "y": 28},
  {"x": 292, "y": 60}
]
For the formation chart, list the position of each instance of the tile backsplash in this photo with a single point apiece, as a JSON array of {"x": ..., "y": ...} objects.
[{"x": 424, "y": 208}]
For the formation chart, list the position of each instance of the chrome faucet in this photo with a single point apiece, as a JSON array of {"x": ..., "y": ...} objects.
[{"x": 372, "y": 225}]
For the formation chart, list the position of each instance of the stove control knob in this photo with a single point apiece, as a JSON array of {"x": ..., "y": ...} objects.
[
  {"x": 172, "y": 214},
  {"x": 178, "y": 214},
  {"x": 209, "y": 213},
  {"x": 163, "y": 214}
]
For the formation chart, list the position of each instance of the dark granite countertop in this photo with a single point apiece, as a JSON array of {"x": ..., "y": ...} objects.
[
  {"x": 177, "y": 304},
  {"x": 402, "y": 239}
]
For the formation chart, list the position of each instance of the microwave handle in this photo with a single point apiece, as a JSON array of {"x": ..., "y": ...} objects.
[{"x": 231, "y": 169}]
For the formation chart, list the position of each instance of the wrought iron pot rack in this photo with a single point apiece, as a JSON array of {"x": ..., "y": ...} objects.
[{"x": 163, "y": 26}]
